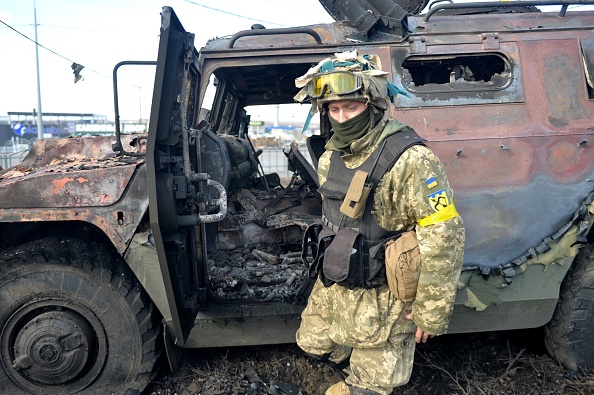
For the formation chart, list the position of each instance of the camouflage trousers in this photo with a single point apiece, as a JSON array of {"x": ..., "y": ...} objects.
[{"x": 367, "y": 324}]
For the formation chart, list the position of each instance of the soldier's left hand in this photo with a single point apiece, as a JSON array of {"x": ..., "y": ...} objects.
[{"x": 420, "y": 335}]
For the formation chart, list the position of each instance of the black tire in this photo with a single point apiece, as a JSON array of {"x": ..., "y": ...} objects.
[
  {"x": 569, "y": 336},
  {"x": 73, "y": 320}
]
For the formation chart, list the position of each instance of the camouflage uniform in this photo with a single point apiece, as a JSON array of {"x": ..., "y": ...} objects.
[{"x": 370, "y": 324}]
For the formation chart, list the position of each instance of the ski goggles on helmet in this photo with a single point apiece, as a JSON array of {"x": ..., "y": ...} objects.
[{"x": 337, "y": 82}]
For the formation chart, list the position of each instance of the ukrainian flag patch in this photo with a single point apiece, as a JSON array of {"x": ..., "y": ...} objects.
[
  {"x": 438, "y": 200},
  {"x": 431, "y": 182}
]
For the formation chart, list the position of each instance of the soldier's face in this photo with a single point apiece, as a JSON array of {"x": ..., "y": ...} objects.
[{"x": 343, "y": 110}]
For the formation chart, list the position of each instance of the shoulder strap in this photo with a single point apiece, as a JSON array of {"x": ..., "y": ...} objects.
[{"x": 395, "y": 146}]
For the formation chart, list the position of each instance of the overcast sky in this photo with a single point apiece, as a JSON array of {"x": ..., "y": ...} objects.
[{"x": 100, "y": 33}]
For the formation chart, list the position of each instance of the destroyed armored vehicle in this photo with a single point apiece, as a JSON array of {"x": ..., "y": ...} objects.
[{"x": 118, "y": 250}]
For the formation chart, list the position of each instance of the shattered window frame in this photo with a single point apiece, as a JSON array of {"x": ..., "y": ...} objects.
[
  {"x": 587, "y": 49},
  {"x": 511, "y": 91},
  {"x": 459, "y": 78}
]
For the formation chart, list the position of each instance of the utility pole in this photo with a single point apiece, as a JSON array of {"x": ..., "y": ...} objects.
[{"x": 39, "y": 113}]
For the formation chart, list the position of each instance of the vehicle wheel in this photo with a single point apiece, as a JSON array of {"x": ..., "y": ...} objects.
[
  {"x": 569, "y": 336},
  {"x": 73, "y": 321}
]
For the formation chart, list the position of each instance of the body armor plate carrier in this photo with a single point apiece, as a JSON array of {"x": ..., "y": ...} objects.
[{"x": 350, "y": 251}]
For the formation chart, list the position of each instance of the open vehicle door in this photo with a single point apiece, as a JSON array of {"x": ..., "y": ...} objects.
[{"x": 177, "y": 207}]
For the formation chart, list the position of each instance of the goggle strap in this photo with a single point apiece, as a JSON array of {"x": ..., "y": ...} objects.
[
  {"x": 308, "y": 119},
  {"x": 328, "y": 66},
  {"x": 393, "y": 90}
]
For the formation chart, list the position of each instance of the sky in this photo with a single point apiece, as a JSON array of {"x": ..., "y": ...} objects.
[{"x": 100, "y": 33}]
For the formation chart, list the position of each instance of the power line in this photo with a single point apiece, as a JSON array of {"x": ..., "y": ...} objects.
[
  {"x": 33, "y": 41},
  {"x": 61, "y": 56},
  {"x": 230, "y": 13},
  {"x": 47, "y": 49}
]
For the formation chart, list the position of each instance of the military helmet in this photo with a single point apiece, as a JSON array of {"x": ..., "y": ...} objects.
[{"x": 347, "y": 76}]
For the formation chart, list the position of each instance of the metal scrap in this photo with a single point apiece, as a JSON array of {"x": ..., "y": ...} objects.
[{"x": 261, "y": 272}]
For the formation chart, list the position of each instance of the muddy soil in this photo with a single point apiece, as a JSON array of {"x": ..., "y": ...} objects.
[{"x": 493, "y": 363}]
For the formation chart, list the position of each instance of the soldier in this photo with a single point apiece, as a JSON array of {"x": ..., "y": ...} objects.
[{"x": 388, "y": 250}]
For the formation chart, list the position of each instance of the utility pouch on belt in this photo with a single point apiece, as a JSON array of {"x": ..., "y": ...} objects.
[
  {"x": 403, "y": 266},
  {"x": 353, "y": 205}
]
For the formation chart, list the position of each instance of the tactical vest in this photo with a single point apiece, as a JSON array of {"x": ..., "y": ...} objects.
[{"x": 345, "y": 250}]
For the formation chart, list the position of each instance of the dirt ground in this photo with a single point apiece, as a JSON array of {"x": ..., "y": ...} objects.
[{"x": 495, "y": 363}]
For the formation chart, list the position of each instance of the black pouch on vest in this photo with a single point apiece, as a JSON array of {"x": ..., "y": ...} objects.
[
  {"x": 343, "y": 261},
  {"x": 310, "y": 242},
  {"x": 316, "y": 239}
]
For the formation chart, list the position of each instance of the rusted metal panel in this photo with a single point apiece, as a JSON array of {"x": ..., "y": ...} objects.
[
  {"x": 67, "y": 173},
  {"x": 65, "y": 180},
  {"x": 519, "y": 169},
  {"x": 329, "y": 34},
  {"x": 516, "y": 158},
  {"x": 514, "y": 192},
  {"x": 118, "y": 221},
  {"x": 53, "y": 187},
  {"x": 503, "y": 164},
  {"x": 537, "y": 22}
]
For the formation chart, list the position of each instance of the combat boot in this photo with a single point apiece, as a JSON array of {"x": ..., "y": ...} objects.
[
  {"x": 361, "y": 391},
  {"x": 339, "y": 388},
  {"x": 342, "y": 388}
]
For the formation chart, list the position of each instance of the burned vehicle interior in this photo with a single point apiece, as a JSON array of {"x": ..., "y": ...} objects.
[{"x": 254, "y": 253}]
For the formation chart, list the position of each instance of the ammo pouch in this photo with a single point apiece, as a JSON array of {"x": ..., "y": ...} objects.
[
  {"x": 356, "y": 196},
  {"x": 403, "y": 265},
  {"x": 342, "y": 257}
]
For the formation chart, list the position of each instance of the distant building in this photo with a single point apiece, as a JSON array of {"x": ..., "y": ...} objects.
[{"x": 24, "y": 125}]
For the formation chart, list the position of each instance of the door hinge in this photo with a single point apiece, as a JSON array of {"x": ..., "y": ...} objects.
[
  {"x": 490, "y": 40},
  {"x": 417, "y": 44}
]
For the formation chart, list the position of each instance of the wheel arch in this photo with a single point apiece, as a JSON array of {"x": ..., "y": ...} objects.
[{"x": 13, "y": 234}]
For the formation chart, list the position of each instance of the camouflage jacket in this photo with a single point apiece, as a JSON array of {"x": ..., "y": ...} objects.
[{"x": 416, "y": 189}]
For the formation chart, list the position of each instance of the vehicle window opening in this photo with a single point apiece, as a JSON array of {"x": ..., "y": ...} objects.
[
  {"x": 588, "y": 59},
  {"x": 456, "y": 72},
  {"x": 589, "y": 86}
]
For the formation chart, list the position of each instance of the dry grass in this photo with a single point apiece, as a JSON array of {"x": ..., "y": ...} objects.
[{"x": 502, "y": 363}]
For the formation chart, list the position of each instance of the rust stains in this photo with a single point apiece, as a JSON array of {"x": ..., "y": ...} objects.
[
  {"x": 105, "y": 199},
  {"x": 60, "y": 185},
  {"x": 68, "y": 173}
]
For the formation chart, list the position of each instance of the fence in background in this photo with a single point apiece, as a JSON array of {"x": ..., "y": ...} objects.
[
  {"x": 9, "y": 159},
  {"x": 273, "y": 160}
]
